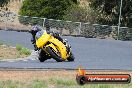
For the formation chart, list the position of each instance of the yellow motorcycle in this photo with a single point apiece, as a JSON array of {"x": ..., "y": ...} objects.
[{"x": 51, "y": 47}]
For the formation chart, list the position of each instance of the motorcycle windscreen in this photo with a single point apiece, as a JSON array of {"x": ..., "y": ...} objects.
[{"x": 42, "y": 40}]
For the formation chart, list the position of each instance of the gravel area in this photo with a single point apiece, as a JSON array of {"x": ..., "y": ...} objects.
[{"x": 9, "y": 53}]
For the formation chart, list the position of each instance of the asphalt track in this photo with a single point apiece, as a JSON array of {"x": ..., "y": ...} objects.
[{"x": 90, "y": 53}]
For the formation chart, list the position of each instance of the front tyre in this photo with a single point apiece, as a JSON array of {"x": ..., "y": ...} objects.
[
  {"x": 42, "y": 56},
  {"x": 71, "y": 57},
  {"x": 53, "y": 54}
]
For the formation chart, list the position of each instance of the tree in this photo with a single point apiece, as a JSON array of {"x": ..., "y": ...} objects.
[
  {"x": 77, "y": 13},
  {"x": 54, "y": 9},
  {"x": 112, "y": 8},
  {"x": 84, "y": 14}
]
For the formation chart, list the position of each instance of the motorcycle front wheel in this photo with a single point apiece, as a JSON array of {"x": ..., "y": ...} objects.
[
  {"x": 42, "y": 56},
  {"x": 53, "y": 54}
]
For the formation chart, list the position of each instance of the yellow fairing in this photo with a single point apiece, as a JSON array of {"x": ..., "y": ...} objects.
[
  {"x": 60, "y": 46},
  {"x": 52, "y": 46},
  {"x": 54, "y": 43},
  {"x": 43, "y": 40}
]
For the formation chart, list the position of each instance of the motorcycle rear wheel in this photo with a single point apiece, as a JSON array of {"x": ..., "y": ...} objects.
[{"x": 53, "y": 54}]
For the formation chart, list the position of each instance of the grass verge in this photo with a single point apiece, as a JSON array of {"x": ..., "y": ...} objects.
[
  {"x": 1, "y": 43},
  {"x": 23, "y": 50},
  {"x": 56, "y": 83},
  {"x": 49, "y": 79},
  {"x": 8, "y": 52}
]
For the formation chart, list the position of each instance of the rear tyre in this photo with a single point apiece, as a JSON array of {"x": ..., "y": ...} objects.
[
  {"x": 53, "y": 54},
  {"x": 42, "y": 56},
  {"x": 71, "y": 57}
]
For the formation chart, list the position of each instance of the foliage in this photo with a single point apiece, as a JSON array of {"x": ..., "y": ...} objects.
[
  {"x": 23, "y": 50},
  {"x": 18, "y": 47},
  {"x": 112, "y": 8},
  {"x": 77, "y": 13},
  {"x": 86, "y": 14},
  {"x": 54, "y": 9}
]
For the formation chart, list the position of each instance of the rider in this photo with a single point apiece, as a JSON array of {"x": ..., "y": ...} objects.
[{"x": 36, "y": 28}]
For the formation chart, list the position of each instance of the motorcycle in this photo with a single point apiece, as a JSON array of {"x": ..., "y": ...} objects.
[{"x": 51, "y": 47}]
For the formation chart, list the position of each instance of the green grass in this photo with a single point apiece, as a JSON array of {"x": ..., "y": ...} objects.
[
  {"x": 56, "y": 83},
  {"x": 8, "y": 84},
  {"x": 1, "y": 43},
  {"x": 39, "y": 84},
  {"x": 23, "y": 50},
  {"x": 60, "y": 81},
  {"x": 19, "y": 52},
  {"x": 18, "y": 47}
]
